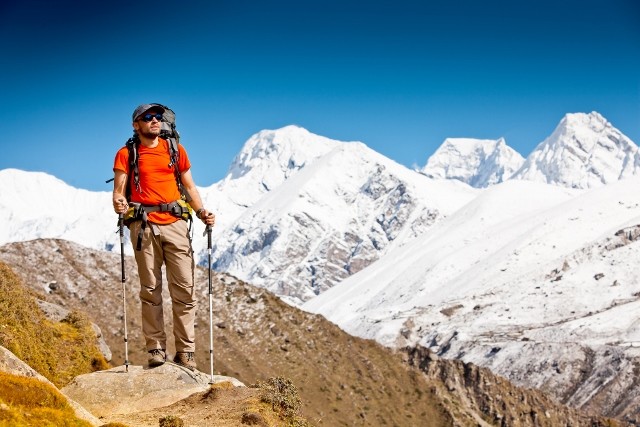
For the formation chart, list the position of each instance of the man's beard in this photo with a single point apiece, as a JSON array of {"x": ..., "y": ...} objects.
[{"x": 151, "y": 134}]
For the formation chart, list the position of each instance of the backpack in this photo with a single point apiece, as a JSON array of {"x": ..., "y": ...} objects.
[{"x": 179, "y": 208}]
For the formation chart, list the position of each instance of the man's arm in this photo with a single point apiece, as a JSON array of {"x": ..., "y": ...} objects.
[
  {"x": 120, "y": 204},
  {"x": 196, "y": 202}
]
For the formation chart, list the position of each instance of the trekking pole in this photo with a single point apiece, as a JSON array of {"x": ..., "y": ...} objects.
[
  {"x": 208, "y": 231},
  {"x": 124, "y": 301}
]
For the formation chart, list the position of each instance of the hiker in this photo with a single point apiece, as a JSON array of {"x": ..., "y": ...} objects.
[{"x": 159, "y": 228}]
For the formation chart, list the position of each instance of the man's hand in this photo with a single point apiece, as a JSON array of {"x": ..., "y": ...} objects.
[
  {"x": 120, "y": 205},
  {"x": 208, "y": 218}
]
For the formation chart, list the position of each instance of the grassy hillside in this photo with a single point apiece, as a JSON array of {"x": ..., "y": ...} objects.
[{"x": 57, "y": 350}]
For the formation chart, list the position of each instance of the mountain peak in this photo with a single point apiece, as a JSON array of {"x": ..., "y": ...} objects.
[
  {"x": 592, "y": 119},
  {"x": 584, "y": 151},
  {"x": 279, "y": 152},
  {"x": 477, "y": 162}
]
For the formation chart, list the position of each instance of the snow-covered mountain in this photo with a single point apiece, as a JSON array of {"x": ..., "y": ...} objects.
[
  {"x": 297, "y": 212},
  {"x": 35, "y": 205},
  {"x": 537, "y": 282},
  {"x": 334, "y": 217},
  {"x": 478, "y": 162},
  {"x": 584, "y": 151}
]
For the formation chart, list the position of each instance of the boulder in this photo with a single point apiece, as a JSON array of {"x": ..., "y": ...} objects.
[{"x": 124, "y": 391}]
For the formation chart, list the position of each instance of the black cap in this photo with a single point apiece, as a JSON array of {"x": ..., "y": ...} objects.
[{"x": 144, "y": 108}]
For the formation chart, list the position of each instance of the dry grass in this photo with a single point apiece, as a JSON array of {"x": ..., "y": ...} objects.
[
  {"x": 31, "y": 402},
  {"x": 283, "y": 397},
  {"x": 58, "y": 350}
]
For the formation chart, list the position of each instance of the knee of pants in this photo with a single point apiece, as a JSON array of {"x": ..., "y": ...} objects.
[
  {"x": 184, "y": 295},
  {"x": 151, "y": 295}
]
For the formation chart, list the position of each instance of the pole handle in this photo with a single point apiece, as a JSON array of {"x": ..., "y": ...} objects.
[{"x": 208, "y": 231}]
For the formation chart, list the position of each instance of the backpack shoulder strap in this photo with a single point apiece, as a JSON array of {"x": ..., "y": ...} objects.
[
  {"x": 132, "y": 147},
  {"x": 174, "y": 154}
]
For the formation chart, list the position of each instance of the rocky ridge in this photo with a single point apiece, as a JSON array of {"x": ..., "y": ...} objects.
[{"x": 342, "y": 380}]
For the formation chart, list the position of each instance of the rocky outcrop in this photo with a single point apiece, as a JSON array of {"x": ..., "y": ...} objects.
[
  {"x": 99, "y": 396},
  {"x": 494, "y": 400},
  {"x": 123, "y": 391}
]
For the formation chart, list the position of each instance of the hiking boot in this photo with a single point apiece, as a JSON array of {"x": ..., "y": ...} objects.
[
  {"x": 186, "y": 359},
  {"x": 157, "y": 357}
]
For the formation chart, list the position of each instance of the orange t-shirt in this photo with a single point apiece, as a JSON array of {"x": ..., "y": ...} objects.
[{"x": 157, "y": 180}]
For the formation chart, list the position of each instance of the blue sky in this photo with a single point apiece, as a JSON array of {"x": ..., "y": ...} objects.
[{"x": 400, "y": 76}]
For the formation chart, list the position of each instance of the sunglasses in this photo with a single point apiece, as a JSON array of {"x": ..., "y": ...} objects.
[{"x": 148, "y": 117}]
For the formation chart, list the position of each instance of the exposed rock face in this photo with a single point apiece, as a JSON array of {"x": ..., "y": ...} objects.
[
  {"x": 120, "y": 391},
  {"x": 496, "y": 400},
  {"x": 11, "y": 364}
]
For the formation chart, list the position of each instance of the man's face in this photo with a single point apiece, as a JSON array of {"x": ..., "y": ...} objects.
[{"x": 149, "y": 123}]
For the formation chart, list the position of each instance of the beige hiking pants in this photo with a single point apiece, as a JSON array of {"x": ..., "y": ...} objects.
[{"x": 168, "y": 244}]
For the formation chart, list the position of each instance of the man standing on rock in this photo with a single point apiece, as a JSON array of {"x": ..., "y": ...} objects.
[{"x": 157, "y": 216}]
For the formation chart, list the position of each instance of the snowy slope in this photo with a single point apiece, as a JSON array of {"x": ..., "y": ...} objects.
[
  {"x": 38, "y": 205},
  {"x": 584, "y": 151},
  {"x": 423, "y": 270},
  {"x": 478, "y": 162},
  {"x": 533, "y": 281}
]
